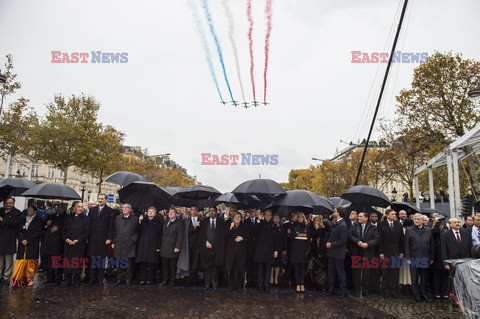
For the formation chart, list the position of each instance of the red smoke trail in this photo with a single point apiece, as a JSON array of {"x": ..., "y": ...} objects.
[
  {"x": 250, "y": 45},
  {"x": 268, "y": 14}
]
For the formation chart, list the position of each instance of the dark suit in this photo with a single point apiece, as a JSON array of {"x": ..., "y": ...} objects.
[
  {"x": 267, "y": 243},
  {"x": 75, "y": 228},
  {"x": 52, "y": 245},
  {"x": 192, "y": 248},
  {"x": 451, "y": 249},
  {"x": 251, "y": 245},
  {"x": 211, "y": 258},
  {"x": 361, "y": 276},
  {"x": 390, "y": 245},
  {"x": 101, "y": 229},
  {"x": 336, "y": 256},
  {"x": 236, "y": 254},
  {"x": 172, "y": 237},
  {"x": 419, "y": 247}
]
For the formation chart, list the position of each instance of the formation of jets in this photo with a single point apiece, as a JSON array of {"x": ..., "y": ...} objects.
[{"x": 245, "y": 104}]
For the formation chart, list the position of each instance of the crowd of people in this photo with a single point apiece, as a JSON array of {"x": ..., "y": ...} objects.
[{"x": 362, "y": 254}]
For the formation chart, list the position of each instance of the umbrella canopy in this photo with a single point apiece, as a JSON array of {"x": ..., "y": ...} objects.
[
  {"x": 199, "y": 195},
  {"x": 366, "y": 195},
  {"x": 304, "y": 201},
  {"x": 52, "y": 191},
  {"x": 14, "y": 187},
  {"x": 259, "y": 186},
  {"x": 364, "y": 208},
  {"x": 171, "y": 190},
  {"x": 238, "y": 200},
  {"x": 142, "y": 195},
  {"x": 409, "y": 208},
  {"x": 340, "y": 202},
  {"x": 123, "y": 178}
]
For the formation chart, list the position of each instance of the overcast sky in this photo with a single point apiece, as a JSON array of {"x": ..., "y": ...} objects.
[{"x": 164, "y": 98}]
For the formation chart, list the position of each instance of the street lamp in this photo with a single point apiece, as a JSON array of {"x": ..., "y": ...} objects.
[
  {"x": 394, "y": 194},
  {"x": 89, "y": 193},
  {"x": 318, "y": 159},
  {"x": 83, "y": 189}
]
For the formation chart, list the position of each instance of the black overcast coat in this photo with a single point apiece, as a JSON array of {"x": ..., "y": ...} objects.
[
  {"x": 75, "y": 228},
  {"x": 101, "y": 229},
  {"x": 52, "y": 243},
  {"x": 149, "y": 240},
  {"x": 236, "y": 252},
  {"x": 267, "y": 237},
  {"x": 8, "y": 230},
  {"x": 33, "y": 235}
]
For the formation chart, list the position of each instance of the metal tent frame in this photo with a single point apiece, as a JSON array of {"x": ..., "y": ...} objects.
[{"x": 450, "y": 157}]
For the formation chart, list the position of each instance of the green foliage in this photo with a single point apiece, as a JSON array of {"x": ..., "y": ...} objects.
[{"x": 10, "y": 85}]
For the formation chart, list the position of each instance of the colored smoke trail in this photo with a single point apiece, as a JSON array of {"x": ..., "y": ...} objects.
[
  {"x": 231, "y": 28},
  {"x": 250, "y": 45},
  {"x": 268, "y": 13},
  {"x": 203, "y": 42},
  {"x": 208, "y": 16}
]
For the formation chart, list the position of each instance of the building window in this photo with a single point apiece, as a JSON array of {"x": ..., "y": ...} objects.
[
  {"x": 51, "y": 172},
  {"x": 35, "y": 170},
  {"x": 23, "y": 170},
  {"x": 62, "y": 174}
]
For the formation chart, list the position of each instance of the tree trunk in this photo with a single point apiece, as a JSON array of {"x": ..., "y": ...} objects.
[
  {"x": 65, "y": 174},
  {"x": 100, "y": 177}
]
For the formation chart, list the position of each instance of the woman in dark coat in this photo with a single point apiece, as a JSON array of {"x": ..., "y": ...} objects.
[
  {"x": 236, "y": 238},
  {"x": 28, "y": 251},
  {"x": 52, "y": 244},
  {"x": 439, "y": 280},
  {"x": 149, "y": 242},
  {"x": 282, "y": 244},
  {"x": 300, "y": 250},
  {"x": 75, "y": 233},
  {"x": 266, "y": 250}
]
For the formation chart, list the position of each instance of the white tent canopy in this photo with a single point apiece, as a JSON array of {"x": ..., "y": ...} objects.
[{"x": 450, "y": 157}]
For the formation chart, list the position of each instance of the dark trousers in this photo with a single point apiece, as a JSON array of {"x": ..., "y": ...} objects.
[
  {"x": 193, "y": 272},
  {"x": 299, "y": 273},
  {"x": 336, "y": 268},
  {"x": 390, "y": 279},
  {"x": 348, "y": 270},
  {"x": 97, "y": 273},
  {"x": 419, "y": 280},
  {"x": 211, "y": 276},
  {"x": 169, "y": 269},
  {"x": 126, "y": 273},
  {"x": 53, "y": 274},
  {"x": 374, "y": 281},
  {"x": 147, "y": 271},
  {"x": 73, "y": 279},
  {"x": 264, "y": 270},
  {"x": 440, "y": 282},
  {"x": 361, "y": 279},
  {"x": 235, "y": 279},
  {"x": 251, "y": 271}
]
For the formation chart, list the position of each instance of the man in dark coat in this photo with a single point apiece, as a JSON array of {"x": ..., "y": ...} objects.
[
  {"x": 420, "y": 254},
  {"x": 75, "y": 234},
  {"x": 52, "y": 244},
  {"x": 336, "y": 253},
  {"x": 364, "y": 238},
  {"x": 149, "y": 242},
  {"x": 10, "y": 219},
  {"x": 266, "y": 250},
  {"x": 125, "y": 236},
  {"x": 250, "y": 222},
  {"x": 236, "y": 251},
  {"x": 193, "y": 231},
  {"x": 390, "y": 246},
  {"x": 172, "y": 241},
  {"x": 456, "y": 243},
  {"x": 211, "y": 245},
  {"x": 101, "y": 236}
]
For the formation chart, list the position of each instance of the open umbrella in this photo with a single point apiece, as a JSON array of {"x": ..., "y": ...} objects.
[
  {"x": 303, "y": 201},
  {"x": 340, "y": 202},
  {"x": 52, "y": 191},
  {"x": 238, "y": 200},
  {"x": 199, "y": 195},
  {"x": 14, "y": 186},
  {"x": 366, "y": 195},
  {"x": 171, "y": 190},
  {"x": 142, "y": 195},
  {"x": 123, "y": 178},
  {"x": 265, "y": 189},
  {"x": 409, "y": 208}
]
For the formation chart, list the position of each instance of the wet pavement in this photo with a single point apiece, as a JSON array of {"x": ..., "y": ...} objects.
[{"x": 179, "y": 302}]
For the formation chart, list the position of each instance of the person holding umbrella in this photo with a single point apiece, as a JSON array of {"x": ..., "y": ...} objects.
[
  {"x": 28, "y": 251},
  {"x": 75, "y": 234},
  {"x": 9, "y": 221},
  {"x": 300, "y": 250},
  {"x": 236, "y": 251},
  {"x": 149, "y": 244},
  {"x": 52, "y": 244},
  {"x": 172, "y": 242}
]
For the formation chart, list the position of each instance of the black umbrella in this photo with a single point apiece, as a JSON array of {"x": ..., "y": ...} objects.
[
  {"x": 303, "y": 201},
  {"x": 171, "y": 190},
  {"x": 366, "y": 195},
  {"x": 199, "y": 195},
  {"x": 14, "y": 186},
  {"x": 364, "y": 208},
  {"x": 238, "y": 200},
  {"x": 142, "y": 195},
  {"x": 259, "y": 186},
  {"x": 340, "y": 202},
  {"x": 52, "y": 191},
  {"x": 123, "y": 178},
  {"x": 409, "y": 208}
]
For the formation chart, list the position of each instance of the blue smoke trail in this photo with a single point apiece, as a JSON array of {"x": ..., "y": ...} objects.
[
  {"x": 203, "y": 42},
  {"x": 208, "y": 16}
]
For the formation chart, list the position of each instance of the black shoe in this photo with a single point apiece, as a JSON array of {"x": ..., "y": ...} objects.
[
  {"x": 129, "y": 283},
  {"x": 267, "y": 290},
  {"x": 100, "y": 284},
  {"x": 148, "y": 283},
  {"x": 418, "y": 299},
  {"x": 170, "y": 285},
  {"x": 118, "y": 282},
  {"x": 142, "y": 283},
  {"x": 230, "y": 289},
  {"x": 215, "y": 288},
  {"x": 427, "y": 298},
  {"x": 259, "y": 289},
  {"x": 330, "y": 293},
  {"x": 91, "y": 282},
  {"x": 163, "y": 283},
  {"x": 205, "y": 288},
  {"x": 342, "y": 296}
]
